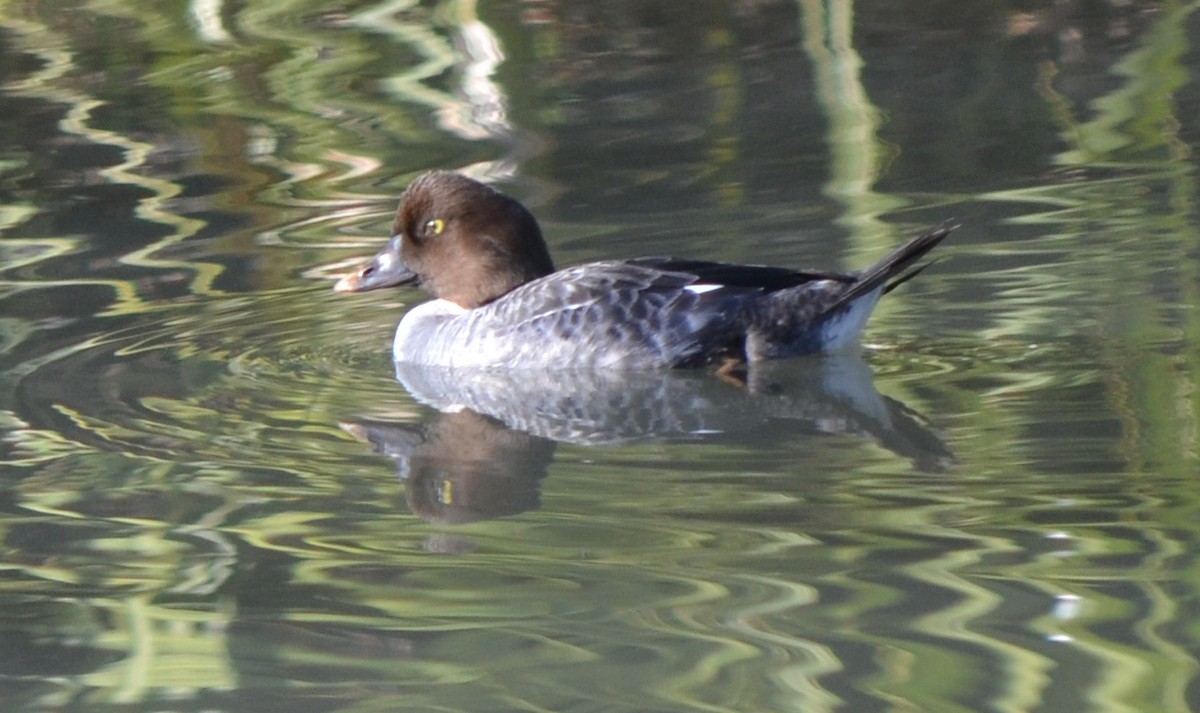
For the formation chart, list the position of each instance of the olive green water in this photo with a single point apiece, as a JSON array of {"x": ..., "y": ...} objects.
[{"x": 218, "y": 495}]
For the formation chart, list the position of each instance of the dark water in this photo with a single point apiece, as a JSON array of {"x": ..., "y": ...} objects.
[{"x": 218, "y": 495}]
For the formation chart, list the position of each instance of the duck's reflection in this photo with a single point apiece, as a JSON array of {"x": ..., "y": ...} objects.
[
  {"x": 493, "y": 439},
  {"x": 462, "y": 466}
]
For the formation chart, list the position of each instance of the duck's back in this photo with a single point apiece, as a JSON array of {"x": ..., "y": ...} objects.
[{"x": 620, "y": 314}]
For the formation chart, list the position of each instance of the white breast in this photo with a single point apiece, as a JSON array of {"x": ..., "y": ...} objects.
[{"x": 417, "y": 336}]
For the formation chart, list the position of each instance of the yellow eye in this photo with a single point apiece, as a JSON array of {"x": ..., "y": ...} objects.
[{"x": 434, "y": 227}]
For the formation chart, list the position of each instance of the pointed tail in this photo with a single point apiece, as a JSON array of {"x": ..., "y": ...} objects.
[{"x": 894, "y": 270}]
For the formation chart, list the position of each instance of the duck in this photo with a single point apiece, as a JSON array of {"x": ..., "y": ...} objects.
[{"x": 499, "y": 302}]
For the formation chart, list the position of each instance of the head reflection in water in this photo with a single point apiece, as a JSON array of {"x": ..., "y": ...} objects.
[{"x": 462, "y": 467}]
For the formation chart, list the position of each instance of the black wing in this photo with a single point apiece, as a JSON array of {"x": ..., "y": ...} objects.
[{"x": 757, "y": 277}]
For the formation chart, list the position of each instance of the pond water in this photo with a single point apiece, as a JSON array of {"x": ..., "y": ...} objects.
[{"x": 218, "y": 493}]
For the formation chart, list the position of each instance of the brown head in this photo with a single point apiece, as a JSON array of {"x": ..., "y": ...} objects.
[{"x": 459, "y": 240}]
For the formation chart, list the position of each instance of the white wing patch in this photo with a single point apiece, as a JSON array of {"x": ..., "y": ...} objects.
[{"x": 701, "y": 288}]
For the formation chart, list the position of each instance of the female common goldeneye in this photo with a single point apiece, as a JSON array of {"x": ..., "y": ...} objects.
[{"x": 500, "y": 303}]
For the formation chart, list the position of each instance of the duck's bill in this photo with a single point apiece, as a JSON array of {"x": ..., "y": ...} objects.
[{"x": 386, "y": 269}]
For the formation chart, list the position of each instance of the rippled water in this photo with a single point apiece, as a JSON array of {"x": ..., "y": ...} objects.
[{"x": 217, "y": 493}]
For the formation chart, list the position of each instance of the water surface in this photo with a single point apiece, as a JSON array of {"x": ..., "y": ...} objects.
[{"x": 217, "y": 493}]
